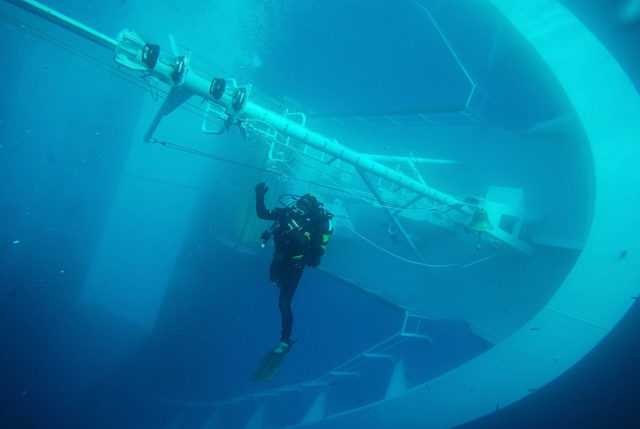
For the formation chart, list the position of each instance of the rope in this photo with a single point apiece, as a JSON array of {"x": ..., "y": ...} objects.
[
  {"x": 238, "y": 163},
  {"x": 409, "y": 261}
]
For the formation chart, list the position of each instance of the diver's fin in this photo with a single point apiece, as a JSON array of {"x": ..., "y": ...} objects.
[{"x": 270, "y": 362}]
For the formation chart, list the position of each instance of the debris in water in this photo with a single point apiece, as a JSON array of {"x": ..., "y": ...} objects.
[
  {"x": 534, "y": 329},
  {"x": 622, "y": 255},
  {"x": 15, "y": 242},
  {"x": 61, "y": 271}
]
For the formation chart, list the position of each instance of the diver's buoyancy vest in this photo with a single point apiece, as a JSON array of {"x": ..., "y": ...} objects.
[{"x": 304, "y": 239}]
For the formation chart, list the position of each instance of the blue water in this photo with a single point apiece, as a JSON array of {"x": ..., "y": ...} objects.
[{"x": 124, "y": 299}]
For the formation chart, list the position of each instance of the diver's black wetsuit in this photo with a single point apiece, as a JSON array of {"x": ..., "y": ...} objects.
[
  {"x": 286, "y": 275},
  {"x": 292, "y": 251}
]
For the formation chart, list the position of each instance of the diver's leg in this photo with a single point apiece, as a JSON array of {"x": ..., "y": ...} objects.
[
  {"x": 288, "y": 284},
  {"x": 276, "y": 269}
]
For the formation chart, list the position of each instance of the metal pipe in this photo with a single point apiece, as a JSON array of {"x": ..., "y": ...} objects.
[
  {"x": 392, "y": 158},
  {"x": 66, "y": 22},
  {"x": 201, "y": 87},
  {"x": 358, "y": 160}
]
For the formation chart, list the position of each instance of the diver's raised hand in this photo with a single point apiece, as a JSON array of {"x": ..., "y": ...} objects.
[{"x": 261, "y": 189}]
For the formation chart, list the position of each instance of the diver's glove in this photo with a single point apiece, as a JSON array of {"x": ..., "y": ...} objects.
[{"x": 261, "y": 189}]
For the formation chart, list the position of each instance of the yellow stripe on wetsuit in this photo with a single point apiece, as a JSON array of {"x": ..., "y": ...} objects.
[{"x": 325, "y": 240}]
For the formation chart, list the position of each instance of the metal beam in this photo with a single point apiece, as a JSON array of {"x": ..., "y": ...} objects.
[
  {"x": 408, "y": 204},
  {"x": 393, "y": 219}
]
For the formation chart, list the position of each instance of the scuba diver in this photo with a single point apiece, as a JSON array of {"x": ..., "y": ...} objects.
[{"x": 300, "y": 233}]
